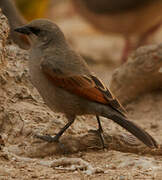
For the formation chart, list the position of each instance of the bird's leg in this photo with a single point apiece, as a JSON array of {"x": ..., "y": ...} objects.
[
  {"x": 100, "y": 131},
  {"x": 126, "y": 50},
  {"x": 49, "y": 138},
  {"x": 144, "y": 37},
  {"x": 142, "y": 40}
]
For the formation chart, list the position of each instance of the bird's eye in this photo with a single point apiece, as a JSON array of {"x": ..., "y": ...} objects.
[{"x": 34, "y": 30}]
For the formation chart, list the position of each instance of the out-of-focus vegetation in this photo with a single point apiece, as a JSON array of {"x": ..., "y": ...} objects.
[{"x": 32, "y": 9}]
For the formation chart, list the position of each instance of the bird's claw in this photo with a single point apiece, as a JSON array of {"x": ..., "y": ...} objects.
[
  {"x": 99, "y": 132},
  {"x": 47, "y": 138}
]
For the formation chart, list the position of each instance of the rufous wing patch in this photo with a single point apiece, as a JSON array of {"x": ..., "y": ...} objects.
[{"x": 86, "y": 86}]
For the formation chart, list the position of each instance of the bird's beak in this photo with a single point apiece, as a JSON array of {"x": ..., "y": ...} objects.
[{"x": 23, "y": 30}]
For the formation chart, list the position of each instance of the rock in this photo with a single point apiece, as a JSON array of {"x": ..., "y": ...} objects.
[
  {"x": 141, "y": 74},
  {"x": 4, "y": 32}
]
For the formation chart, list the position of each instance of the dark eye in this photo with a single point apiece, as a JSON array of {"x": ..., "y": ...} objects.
[{"x": 35, "y": 30}]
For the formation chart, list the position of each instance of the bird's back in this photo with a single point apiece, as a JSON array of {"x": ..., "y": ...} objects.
[
  {"x": 114, "y": 6},
  {"x": 121, "y": 16}
]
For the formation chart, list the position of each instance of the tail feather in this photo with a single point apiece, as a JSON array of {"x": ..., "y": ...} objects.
[{"x": 134, "y": 129}]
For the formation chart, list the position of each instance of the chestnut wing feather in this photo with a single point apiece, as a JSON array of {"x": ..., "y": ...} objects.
[{"x": 86, "y": 86}]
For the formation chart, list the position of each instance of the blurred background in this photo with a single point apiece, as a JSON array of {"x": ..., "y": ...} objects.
[{"x": 103, "y": 31}]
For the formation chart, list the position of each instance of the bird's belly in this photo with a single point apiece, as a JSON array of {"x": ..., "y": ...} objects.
[
  {"x": 127, "y": 23},
  {"x": 57, "y": 99}
]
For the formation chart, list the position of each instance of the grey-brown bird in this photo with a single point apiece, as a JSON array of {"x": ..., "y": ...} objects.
[
  {"x": 15, "y": 19},
  {"x": 129, "y": 18},
  {"x": 66, "y": 84}
]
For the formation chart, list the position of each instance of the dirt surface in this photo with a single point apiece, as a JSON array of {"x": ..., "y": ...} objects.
[{"x": 23, "y": 114}]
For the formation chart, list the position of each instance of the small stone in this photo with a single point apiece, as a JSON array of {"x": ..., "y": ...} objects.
[
  {"x": 122, "y": 178},
  {"x": 154, "y": 126}
]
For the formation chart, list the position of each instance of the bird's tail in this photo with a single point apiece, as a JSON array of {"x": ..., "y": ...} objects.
[{"x": 132, "y": 128}]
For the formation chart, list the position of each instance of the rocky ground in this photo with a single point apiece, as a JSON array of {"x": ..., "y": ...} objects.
[{"x": 79, "y": 156}]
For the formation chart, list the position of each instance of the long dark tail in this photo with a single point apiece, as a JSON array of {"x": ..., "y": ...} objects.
[{"x": 132, "y": 128}]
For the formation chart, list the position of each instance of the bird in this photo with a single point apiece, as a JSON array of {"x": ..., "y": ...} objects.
[
  {"x": 135, "y": 20},
  {"x": 67, "y": 85},
  {"x": 15, "y": 19}
]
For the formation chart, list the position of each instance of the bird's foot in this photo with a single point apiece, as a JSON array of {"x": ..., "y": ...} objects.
[
  {"x": 99, "y": 132},
  {"x": 48, "y": 138},
  {"x": 51, "y": 139}
]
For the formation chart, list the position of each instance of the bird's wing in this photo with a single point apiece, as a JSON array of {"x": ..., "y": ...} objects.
[{"x": 86, "y": 86}]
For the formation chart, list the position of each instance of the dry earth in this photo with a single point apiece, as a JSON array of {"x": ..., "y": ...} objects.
[{"x": 23, "y": 114}]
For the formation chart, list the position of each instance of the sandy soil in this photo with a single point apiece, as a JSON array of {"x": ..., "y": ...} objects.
[{"x": 23, "y": 114}]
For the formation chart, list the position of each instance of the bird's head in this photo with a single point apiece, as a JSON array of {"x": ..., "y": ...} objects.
[{"x": 42, "y": 32}]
